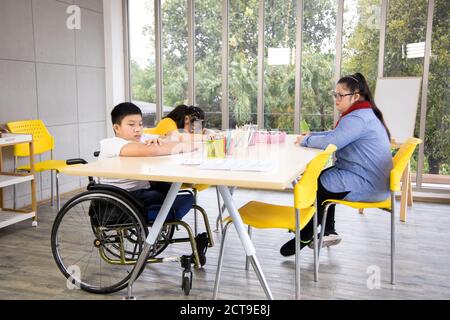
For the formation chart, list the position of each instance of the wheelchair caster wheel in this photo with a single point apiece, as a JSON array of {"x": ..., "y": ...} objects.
[
  {"x": 129, "y": 298},
  {"x": 186, "y": 285}
]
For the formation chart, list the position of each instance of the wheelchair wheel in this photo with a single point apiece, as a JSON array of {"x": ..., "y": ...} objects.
[{"x": 96, "y": 239}]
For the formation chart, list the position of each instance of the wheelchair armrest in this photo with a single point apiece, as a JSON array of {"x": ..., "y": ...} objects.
[{"x": 75, "y": 161}]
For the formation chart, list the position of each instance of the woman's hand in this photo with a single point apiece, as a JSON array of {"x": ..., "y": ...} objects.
[{"x": 300, "y": 138}]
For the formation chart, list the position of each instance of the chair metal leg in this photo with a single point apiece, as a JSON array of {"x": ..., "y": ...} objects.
[
  {"x": 392, "y": 238},
  {"x": 219, "y": 263},
  {"x": 316, "y": 256},
  {"x": 58, "y": 200},
  {"x": 51, "y": 188},
  {"x": 297, "y": 254},
  {"x": 246, "y": 257},
  {"x": 219, "y": 216},
  {"x": 322, "y": 229}
]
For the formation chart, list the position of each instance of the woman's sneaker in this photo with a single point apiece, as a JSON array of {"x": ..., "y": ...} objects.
[{"x": 329, "y": 239}]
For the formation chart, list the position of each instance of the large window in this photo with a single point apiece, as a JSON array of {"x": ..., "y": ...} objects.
[
  {"x": 142, "y": 58},
  {"x": 361, "y": 39},
  {"x": 174, "y": 53},
  {"x": 319, "y": 38},
  {"x": 437, "y": 134},
  {"x": 404, "y": 56},
  {"x": 279, "y": 79},
  {"x": 405, "y": 45},
  {"x": 208, "y": 60},
  {"x": 243, "y": 46}
]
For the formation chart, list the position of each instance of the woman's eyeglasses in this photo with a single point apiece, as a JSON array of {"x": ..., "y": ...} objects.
[{"x": 339, "y": 96}]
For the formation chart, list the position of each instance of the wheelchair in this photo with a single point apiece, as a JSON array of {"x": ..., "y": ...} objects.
[{"x": 98, "y": 235}]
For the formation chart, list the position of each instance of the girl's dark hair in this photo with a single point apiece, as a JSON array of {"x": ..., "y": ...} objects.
[
  {"x": 182, "y": 110},
  {"x": 357, "y": 83},
  {"x": 122, "y": 110}
]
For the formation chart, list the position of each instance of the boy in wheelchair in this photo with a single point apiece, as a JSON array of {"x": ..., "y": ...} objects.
[
  {"x": 120, "y": 211},
  {"x": 127, "y": 124}
]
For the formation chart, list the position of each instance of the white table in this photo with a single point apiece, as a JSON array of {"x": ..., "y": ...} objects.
[{"x": 289, "y": 163}]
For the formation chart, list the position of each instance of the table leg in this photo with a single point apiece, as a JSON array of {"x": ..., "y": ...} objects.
[
  {"x": 244, "y": 237},
  {"x": 153, "y": 234}
]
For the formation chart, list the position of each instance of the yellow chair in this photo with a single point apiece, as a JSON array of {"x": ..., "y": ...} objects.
[
  {"x": 400, "y": 161},
  {"x": 43, "y": 142},
  {"x": 150, "y": 131},
  {"x": 406, "y": 198},
  {"x": 263, "y": 215}
]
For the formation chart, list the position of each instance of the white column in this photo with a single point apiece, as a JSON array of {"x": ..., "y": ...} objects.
[{"x": 114, "y": 57}]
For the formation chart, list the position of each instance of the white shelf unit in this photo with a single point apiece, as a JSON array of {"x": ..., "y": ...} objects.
[{"x": 10, "y": 216}]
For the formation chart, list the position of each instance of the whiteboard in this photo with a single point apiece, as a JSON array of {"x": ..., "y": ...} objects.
[{"x": 398, "y": 98}]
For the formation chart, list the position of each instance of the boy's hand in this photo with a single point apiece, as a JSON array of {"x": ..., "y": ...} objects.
[{"x": 155, "y": 142}]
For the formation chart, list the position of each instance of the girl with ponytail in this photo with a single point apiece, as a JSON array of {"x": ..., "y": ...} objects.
[{"x": 363, "y": 159}]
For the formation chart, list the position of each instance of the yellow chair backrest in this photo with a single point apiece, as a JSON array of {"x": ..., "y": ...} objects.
[
  {"x": 150, "y": 131},
  {"x": 305, "y": 190},
  {"x": 400, "y": 161},
  {"x": 42, "y": 140}
]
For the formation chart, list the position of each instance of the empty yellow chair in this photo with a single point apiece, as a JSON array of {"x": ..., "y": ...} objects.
[
  {"x": 400, "y": 161},
  {"x": 263, "y": 215},
  {"x": 43, "y": 142}
]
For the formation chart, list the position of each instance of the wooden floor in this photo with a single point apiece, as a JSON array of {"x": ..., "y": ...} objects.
[{"x": 28, "y": 271}]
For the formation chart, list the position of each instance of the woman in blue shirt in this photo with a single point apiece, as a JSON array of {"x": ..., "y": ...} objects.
[{"x": 363, "y": 159}]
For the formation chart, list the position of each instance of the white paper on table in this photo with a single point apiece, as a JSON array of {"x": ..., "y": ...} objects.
[{"x": 237, "y": 165}]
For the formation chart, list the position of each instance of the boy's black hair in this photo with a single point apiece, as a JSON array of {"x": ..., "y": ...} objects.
[{"x": 122, "y": 110}]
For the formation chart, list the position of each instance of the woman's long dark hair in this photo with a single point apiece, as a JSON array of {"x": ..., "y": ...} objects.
[
  {"x": 182, "y": 110},
  {"x": 357, "y": 83}
]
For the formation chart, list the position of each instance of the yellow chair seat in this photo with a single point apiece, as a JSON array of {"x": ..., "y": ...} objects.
[
  {"x": 386, "y": 204},
  {"x": 264, "y": 215},
  {"x": 46, "y": 165},
  {"x": 199, "y": 187}
]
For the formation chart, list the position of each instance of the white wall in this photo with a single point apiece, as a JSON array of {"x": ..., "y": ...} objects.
[
  {"x": 50, "y": 72},
  {"x": 114, "y": 57}
]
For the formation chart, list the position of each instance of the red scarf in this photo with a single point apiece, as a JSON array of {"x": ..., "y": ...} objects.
[{"x": 356, "y": 106}]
